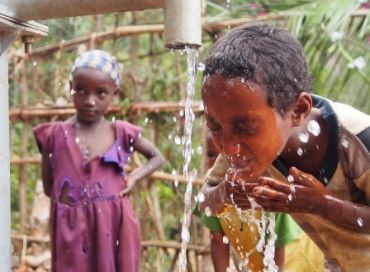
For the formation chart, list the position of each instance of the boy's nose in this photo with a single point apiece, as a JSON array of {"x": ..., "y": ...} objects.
[{"x": 230, "y": 147}]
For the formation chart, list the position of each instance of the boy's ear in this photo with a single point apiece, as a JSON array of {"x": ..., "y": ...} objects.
[{"x": 302, "y": 107}]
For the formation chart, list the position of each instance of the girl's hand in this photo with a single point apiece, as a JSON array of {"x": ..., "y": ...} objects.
[
  {"x": 304, "y": 195},
  {"x": 130, "y": 184}
]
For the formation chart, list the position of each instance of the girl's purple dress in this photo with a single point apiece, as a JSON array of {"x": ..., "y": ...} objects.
[{"x": 98, "y": 230}]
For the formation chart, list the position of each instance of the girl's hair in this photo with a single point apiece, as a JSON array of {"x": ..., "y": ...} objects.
[{"x": 266, "y": 56}]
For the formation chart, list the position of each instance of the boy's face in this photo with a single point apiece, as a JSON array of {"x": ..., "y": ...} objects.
[
  {"x": 92, "y": 92},
  {"x": 246, "y": 130}
]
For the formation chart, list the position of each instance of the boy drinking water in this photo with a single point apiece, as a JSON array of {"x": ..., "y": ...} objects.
[{"x": 289, "y": 150}]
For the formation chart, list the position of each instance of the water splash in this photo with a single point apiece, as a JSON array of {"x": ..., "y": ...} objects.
[
  {"x": 299, "y": 151},
  {"x": 189, "y": 119},
  {"x": 345, "y": 143},
  {"x": 264, "y": 224},
  {"x": 360, "y": 221},
  {"x": 314, "y": 128},
  {"x": 176, "y": 178},
  {"x": 303, "y": 137}
]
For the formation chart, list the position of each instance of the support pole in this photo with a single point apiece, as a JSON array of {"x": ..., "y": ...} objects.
[{"x": 5, "y": 40}]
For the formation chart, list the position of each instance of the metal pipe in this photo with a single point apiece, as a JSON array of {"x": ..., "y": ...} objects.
[
  {"x": 182, "y": 23},
  {"x": 47, "y": 9}
]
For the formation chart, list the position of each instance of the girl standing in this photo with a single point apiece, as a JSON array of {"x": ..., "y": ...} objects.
[{"x": 93, "y": 226}]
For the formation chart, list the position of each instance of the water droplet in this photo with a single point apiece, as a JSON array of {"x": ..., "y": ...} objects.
[
  {"x": 139, "y": 135},
  {"x": 290, "y": 178},
  {"x": 146, "y": 120},
  {"x": 177, "y": 140},
  {"x": 225, "y": 240},
  {"x": 360, "y": 221},
  {"x": 131, "y": 149},
  {"x": 34, "y": 63},
  {"x": 303, "y": 137},
  {"x": 77, "y": 140},
  {"x": 117, "y": 243},
  {"x": 314, "y": 128},
  {"x": 299, "y": 151},
  {"x": 73, "y": 92},
  {"x": 345, "y": 143},
  {"x": 207, "y": 211},
  {"x": 201, "y": 197},
  {"x": 114, "y": 119},
  {"x": 290, "y": 197},
  {"x": 201, "y": 67},
  {"x": 50, "y": 155}
]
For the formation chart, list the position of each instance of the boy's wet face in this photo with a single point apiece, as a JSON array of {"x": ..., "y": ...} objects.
[
  {"x": 246, "y": 130},
  {"x": 92, "y": 92}
]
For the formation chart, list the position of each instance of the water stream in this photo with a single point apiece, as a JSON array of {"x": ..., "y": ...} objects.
[{"x": 192, "y": 55}]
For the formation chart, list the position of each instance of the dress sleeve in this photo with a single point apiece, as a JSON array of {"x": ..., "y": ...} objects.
[
  {"x": 43, "y": 136},
  {"x": 286, "y": 230},
  {"x": 130, "y": 133}
]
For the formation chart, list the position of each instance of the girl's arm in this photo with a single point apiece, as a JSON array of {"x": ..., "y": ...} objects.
[
  {"x": 47, "y": 179},
  {"x": 155, "y": 160}
]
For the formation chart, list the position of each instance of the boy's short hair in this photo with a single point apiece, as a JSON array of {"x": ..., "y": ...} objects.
[{"x": 265, "y": 55}]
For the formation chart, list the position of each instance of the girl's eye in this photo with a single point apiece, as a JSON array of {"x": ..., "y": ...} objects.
[
  {"x": 101, "y": 92},
  {"x": 79, "y": 90}
]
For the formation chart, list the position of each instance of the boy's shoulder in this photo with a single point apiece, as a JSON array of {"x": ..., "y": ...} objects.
[{"x": 350, "y": 118}]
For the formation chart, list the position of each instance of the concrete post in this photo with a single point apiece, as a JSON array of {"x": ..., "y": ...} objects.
[{"x": 5, "y": 265}]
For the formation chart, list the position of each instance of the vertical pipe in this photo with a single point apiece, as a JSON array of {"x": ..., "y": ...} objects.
[
  {"x": 5, "y": 40},
  {"x": 182, "y": 23}
]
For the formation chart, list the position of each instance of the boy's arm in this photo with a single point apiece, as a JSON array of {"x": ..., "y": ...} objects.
[
  {"x": 220, "y": 252},
  {"x": 311, "y": 196},
  {"x": 155, "y": 160}
]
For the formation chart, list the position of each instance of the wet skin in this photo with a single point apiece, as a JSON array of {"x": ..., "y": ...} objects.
[
  {"x": 251, "y": 134},
  {"x": 246, "y": 130}
]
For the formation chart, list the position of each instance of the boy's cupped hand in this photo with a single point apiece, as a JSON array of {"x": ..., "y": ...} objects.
[
  {"x": 231, "y": 191},
  {"x": 305, "y": 194}
]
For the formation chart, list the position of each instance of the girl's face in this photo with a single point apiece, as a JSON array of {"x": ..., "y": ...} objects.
[
  {"x": 92, "y": 92},
  {"x": 246, "y": 130}
]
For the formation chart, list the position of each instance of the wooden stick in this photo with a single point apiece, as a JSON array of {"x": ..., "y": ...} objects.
[
  {"x": 24, "y": 113},
  {"x": 123, "y": 31},
  {"x": 201, "y": 249}
]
